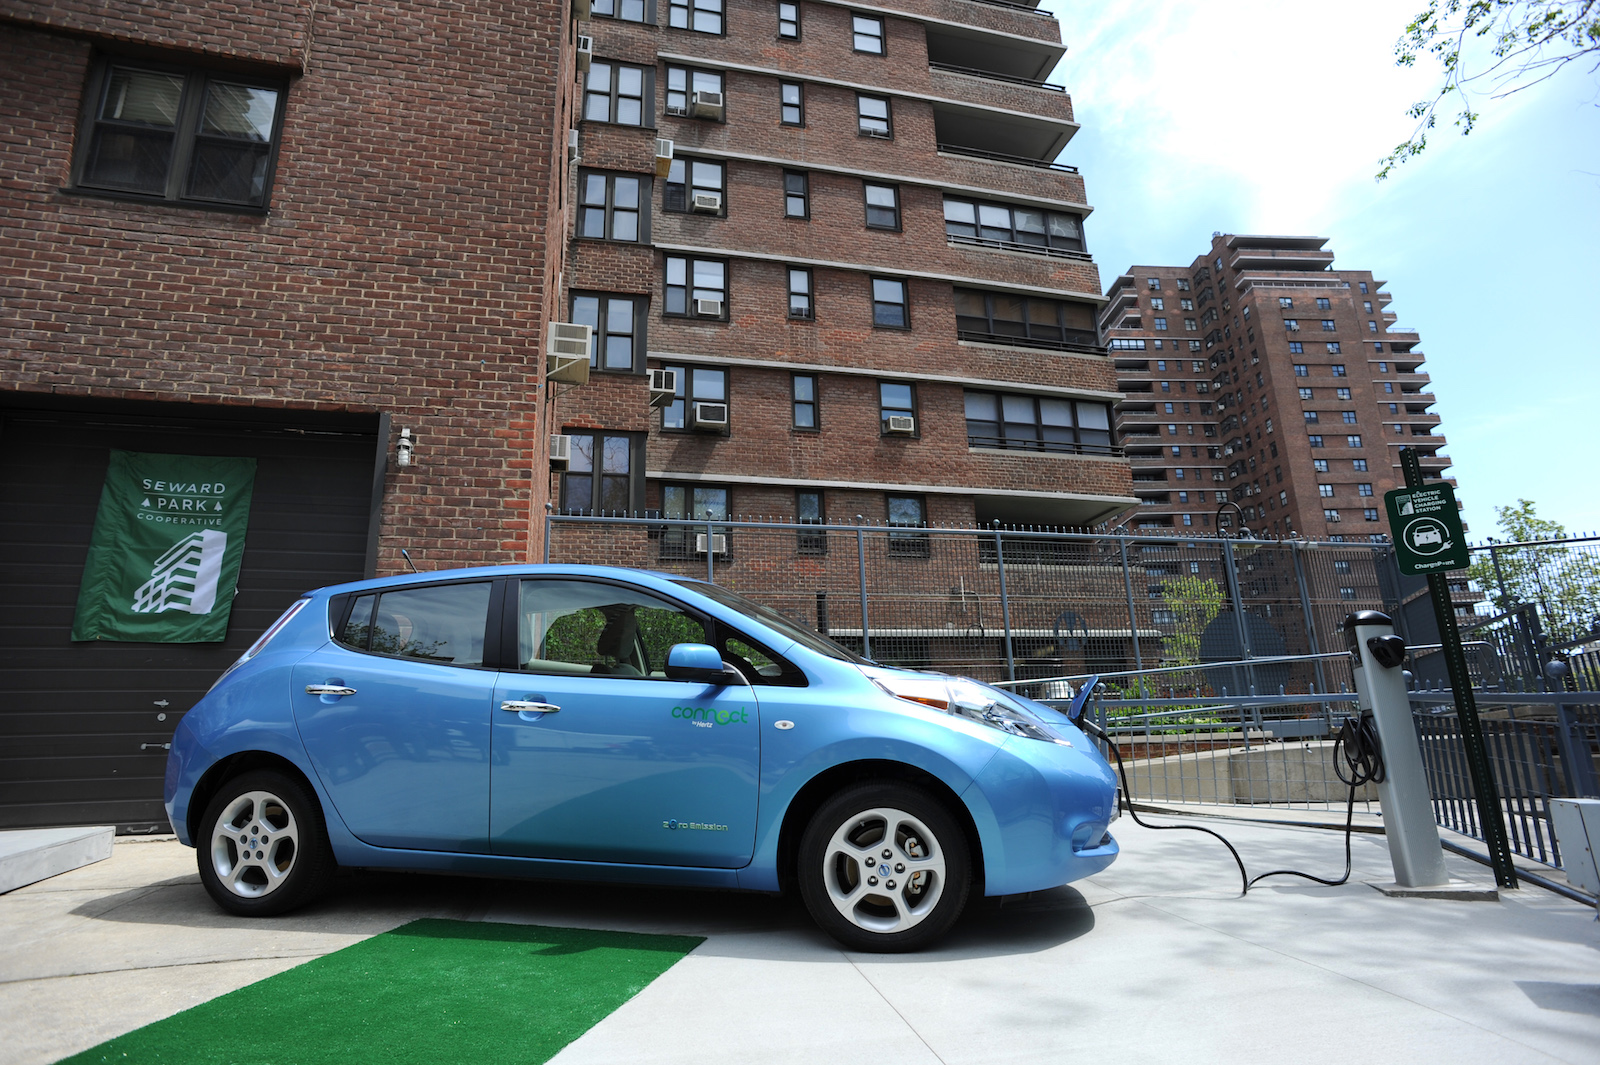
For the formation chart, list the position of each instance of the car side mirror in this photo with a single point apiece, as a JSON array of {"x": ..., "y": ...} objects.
[
  {"x": 1080, "y": 701},
  {"x": 700, "y": 662}
]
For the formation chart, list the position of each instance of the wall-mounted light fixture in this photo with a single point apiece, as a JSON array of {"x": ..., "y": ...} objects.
[{"x": 402, "y": 450}]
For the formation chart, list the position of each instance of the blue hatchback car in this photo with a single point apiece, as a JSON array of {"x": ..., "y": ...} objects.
[{"x": 599, "y": 724}]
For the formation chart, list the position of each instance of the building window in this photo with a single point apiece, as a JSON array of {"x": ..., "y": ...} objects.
[
  {"x": 1372, "y": 327},
  {"x": 1311, "y": 417},
  {"x": 1160, "y": 324},
  {"x": 792, "y": 103},
  {"x": 685, "y": 84},
  {"x": 800, "y": 293},
  {"x": 1325, "y": 491},
  {"x": 1296, "y": 348},
  {"x": 1004, "y": 318},
  {"x": 624, "y": 10},
  {"x": 1338, "y": 370},
  {"x": 615, "y": 92},
  {"x": 696, "y": 384},
  {"x": 702, "y": 16},
  {"x": 1342, "y": 393},
  {"x": 1186, "y": 305},
  {"x": 1127, "y": 345},
  {"x": 907, "y": 512},
  {"x": 1349, "y": 417},
  {"x": 1330, "y": 515},
  {"x": 1169, "y": 408},
  {"x": 805, "y": 400},
  {"x": 697, "y": 502},
  {"x": 1352, "y": 441},
  {"x": 612, "y": 206},
  {"x": 1363, "y": 489},
  {"x": 796, "y": 198},
  {"x": 688, "y": 178},
  {"x": 1194, "y": 345},
  {"x": 1327, "y": 325},
  {"x": 1363, "y": 285},
  {"x": 180, "y": 134},
  {"x": 1157, "y": 303},
  {"x": 1314, "y": 440},
  {"x": 1370, "y": 513},
  {"x": 1359, "y": 465},
  {"x": 1190, "y": 326},
  {"x": 1320, "y": 465},
  {"x": 808, "y": 511},
  {"x": 890, "y": 309},
  {"x": 872, "y": 116},
  {"x": 1285, "y": 301},
  {"x": 1378, "y": 348},
  {"x": 1383, "y": 367},
  {"x": 618, "y": 324},
  {"x": 1183, "y": 285},
  {"x": 883, "y": 206},
  {"x": 600, "y": 475},
  {"x": 1323, "y": 304},
  {"x": 696, "y": 288},
  {"x": 1305, "y": 393},
  {"x": 1153, "y": 284},
  {"x": 789, "y": 21},
  {"x": 895, "y": 400},
  {"x": 867, "y": 33},
  {"x": 1024, "y": 228},
  {"x": 1346, "y": 593},
  {"x": 1333, "y": 347},
  {"x": 1292, "y": 325},
  {"x": 1038, "y": 423}
]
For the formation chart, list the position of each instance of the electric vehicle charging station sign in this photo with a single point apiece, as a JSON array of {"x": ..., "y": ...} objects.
[{"x": 1427, "y": 531}]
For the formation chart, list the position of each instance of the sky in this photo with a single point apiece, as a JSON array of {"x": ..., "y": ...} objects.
[{"x": 1271, "y": 117}]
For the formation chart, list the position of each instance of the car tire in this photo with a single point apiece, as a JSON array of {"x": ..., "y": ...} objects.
[
  {"x": 262, "y": 846},
  {"x": 884, "y": 868}
]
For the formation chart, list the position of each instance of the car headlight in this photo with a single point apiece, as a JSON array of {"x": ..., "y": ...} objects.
[{"x": 965, "y": 698}]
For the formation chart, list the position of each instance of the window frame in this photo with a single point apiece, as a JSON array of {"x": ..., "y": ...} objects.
[
  {"x": 862, "y": 118},
  {"x": 799, "y": 106},
  {"x": 687, "y": 187},
  {"x": 185, "y": 133},
  {"x": 343, "y": 610},
  {"x": 810, "y": 293},
  {"x": 795, "y": 22},
  {"x": 1004, "y": 441},
  {"x": 805, "y": 542},
  {"x": 602, "y": 332},
  {"x": 882, "y": 36},
  {"x": 597, "y": 475},
  {"x": 686, "y": 396},
  {"x": 796, "y": 402},
  {"x": 1069, "y": 337},
  {"x": 907, "y": 544},
  {"x": 688, "y": 90},
  {"x": 884, "y": 411},
  {"x": 690, "y": 286},
  {"x": 608, "y": 208},
  {"x": 867, "y": 188},
  {"x": 982, "y": 229},
  {"x": 647, "y": 94},
  {"x": 873, "y": 281},
  {"x": 690, "y": 8},
  {"x": 804, "y": 195},
  {"x": 647, "y": 11}
]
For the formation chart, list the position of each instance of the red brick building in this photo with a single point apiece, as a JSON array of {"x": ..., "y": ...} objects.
[
  {"x": 857, "y": 258},
  {"x": 1258, "y": 374},
  {"x": 290, "y": 232}
]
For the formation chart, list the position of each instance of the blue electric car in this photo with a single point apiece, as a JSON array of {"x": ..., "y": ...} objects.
[{"x": 599, "y": 724}]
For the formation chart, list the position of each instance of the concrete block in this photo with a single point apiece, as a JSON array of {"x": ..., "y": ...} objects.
[{"x": 30, "y": 855}]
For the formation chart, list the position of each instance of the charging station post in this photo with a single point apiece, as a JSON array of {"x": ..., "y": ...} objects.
[{"x": 1408, "y": 823}]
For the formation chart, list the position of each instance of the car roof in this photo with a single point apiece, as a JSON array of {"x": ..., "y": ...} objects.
[{"x": 640, "y": 576}]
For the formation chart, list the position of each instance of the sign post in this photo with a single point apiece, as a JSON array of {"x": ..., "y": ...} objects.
[{"x": 1429, "y": 540}]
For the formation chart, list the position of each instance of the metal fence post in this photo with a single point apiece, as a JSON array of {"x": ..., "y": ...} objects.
[
  {"x": 1238, "y": 608},
  {"x": 861, "y": 573},
  {"x": 1500, "y": 579},
  {"x": 1305, "y": 608},
  {"x": 548, "y": 519},
  {"x": 1005, "y": 602},
  {"x": 711, "y": 554},
  {"x": 1133, "y": 619}
]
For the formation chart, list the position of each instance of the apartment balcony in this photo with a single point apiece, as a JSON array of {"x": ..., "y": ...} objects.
[
  {"x": 964, "y": 19},
  {"x": 1281, "y": 259},
  {"x": 987, "y": 89},
  {"x": 1004, "y": 171}
]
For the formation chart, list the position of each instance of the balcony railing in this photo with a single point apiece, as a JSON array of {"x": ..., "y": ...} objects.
[
  {"x": 1013, "y": 245},
  {"x": 1002, "y": 157},
  {"x": 1087, "y": 342},
  {"x": 1058, "y": 447},
  {"x": 1032, "y": 83},
  {"x": 1016, "y": 5}
]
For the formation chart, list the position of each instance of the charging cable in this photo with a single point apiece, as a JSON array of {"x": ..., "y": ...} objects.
[{"x": 1357, "y": 749}]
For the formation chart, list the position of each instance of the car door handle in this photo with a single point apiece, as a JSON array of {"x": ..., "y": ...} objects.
[
  {"x": 528, "y": 706},
  {"x": 328, "y": 689}
]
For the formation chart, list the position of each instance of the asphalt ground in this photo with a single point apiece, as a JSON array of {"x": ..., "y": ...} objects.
[{"x": 1156, "y": 960}]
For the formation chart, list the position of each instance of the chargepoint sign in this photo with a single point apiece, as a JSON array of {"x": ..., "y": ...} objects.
[{"x": 167, "y": 543}]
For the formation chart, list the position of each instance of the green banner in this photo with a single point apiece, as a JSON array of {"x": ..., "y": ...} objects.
[{"x": 168, "y": 539}]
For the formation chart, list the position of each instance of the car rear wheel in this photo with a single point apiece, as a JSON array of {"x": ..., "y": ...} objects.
[
  {"x": 884, "y": 868},
  {"x": 262, "y": 847}
]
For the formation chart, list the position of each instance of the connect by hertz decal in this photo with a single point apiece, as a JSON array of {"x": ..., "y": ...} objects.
[{"x": 705, "y": 717}]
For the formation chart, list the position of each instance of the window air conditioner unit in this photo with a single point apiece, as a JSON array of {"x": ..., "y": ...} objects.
[
  {"x": 663, "y": 387},
  {"x": 572, "y": 145},
  {"x": 567, "y": 346},
  {"x": 663, "y": 157},
  {"x": 581, "y": 10},
  {"x": 719, "y": 543},
  {"x": 902, "y": 423},
  {"x": 585, "y": 51},
  {"x": 560, "y": 449},
  {"x": 710, "y": 415},
  {"x": 708, "y": 308},
  {"x": 705, "y": 104},
  {"x": 708, "y": 202},
  {"x": 881, "y": 134}
]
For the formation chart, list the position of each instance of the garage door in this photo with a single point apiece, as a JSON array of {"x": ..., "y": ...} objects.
[{"x": 83, "y": 725}]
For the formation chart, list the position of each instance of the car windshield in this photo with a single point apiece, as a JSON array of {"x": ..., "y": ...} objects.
[{"x": 773, "y": 620}]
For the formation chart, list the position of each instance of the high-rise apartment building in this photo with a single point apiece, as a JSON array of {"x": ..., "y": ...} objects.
[
  {"x": 1260, "y": 375},
  {"x": 833, "y": 238}
]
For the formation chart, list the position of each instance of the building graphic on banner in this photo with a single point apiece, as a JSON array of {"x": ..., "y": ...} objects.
[{"x": 185, "y": 577}]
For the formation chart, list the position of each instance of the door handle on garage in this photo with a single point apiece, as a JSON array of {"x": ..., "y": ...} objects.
[
  {"x": 328, "y": 689},
  {"x": 528, "y": 706}
]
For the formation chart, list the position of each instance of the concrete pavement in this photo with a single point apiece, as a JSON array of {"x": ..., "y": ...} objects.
[{"x": 1155, "y": 960}]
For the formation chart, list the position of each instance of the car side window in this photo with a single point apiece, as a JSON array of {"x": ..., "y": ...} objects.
[
  {"x": 441, "y": 623},
  {"x": 584, "y": 627},
  {"x": 759, "y": 665}
]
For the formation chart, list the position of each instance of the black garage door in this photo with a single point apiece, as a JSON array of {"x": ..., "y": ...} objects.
[{"x": 82, "y": 725}]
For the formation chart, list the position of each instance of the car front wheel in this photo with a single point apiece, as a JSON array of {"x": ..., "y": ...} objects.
[
  {"x": 262, "y": 848},
  {"x": 884, "y": 868}
]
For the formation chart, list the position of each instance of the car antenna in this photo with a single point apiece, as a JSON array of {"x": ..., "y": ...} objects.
[{"x": 407, "y": 555}]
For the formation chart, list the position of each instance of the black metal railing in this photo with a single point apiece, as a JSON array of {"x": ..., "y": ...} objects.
[
  {"x": 992, "y": 75},
  {"x": 1002, "y": 157},
  {"x": 1056, "y": 447},
  {"x": 1016, "y": 245},
  {"x": 1084, "y": 342}
]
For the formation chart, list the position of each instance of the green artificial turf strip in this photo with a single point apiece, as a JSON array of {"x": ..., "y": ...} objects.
[{"x": 431, "y": 992}]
